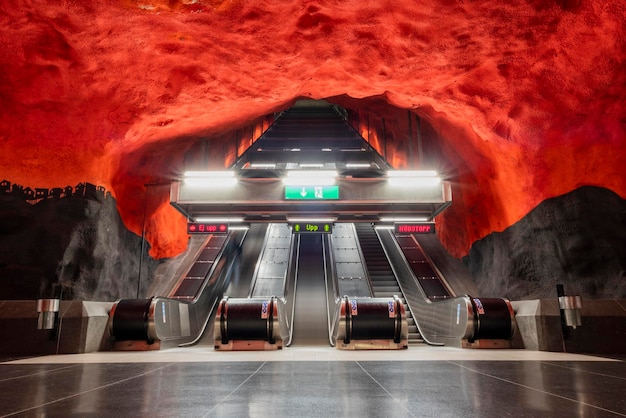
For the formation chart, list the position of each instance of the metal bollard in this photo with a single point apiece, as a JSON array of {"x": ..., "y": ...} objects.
[
  {"x": 571, "y": 307},
  {"x": 48, "y": 310}
]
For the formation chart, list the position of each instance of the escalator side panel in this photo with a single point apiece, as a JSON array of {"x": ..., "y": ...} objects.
[
  {"x": 310, "y": 322},
  {"x": 453, "y": 320}
]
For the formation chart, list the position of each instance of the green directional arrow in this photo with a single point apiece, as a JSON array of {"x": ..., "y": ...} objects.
[
  {"x": 312, "y": 192},
  {"x": 296, "y": 227}
]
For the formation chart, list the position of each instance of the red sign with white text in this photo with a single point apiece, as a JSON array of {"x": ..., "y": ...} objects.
[
  {"x": 204, "y": 228},
  {"x": 415, "y": 228}
]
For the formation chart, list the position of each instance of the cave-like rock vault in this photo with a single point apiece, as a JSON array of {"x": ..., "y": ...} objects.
[{"x": 526, "y": 99}]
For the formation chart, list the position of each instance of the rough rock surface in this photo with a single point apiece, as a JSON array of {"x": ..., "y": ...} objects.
[
  {"x": 73, "y": 248},
  {"x": 527, "y": 98},
  {"x": 578, "y": 240}
]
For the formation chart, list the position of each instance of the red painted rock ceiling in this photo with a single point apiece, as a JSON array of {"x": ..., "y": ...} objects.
[{"x": 527, "y": 97}]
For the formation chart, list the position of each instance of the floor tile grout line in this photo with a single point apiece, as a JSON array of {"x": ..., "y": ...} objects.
[
  {"x": 386, "y": 391},
  {"x": 86, "y": 391},
  {"x": 234, "y": 390},
  {"x": 537, "y": 390},
  {"x": 39, "y": 373},
  {"x": 583, "y": 371}
]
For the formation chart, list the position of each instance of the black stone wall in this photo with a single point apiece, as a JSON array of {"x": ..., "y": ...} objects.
[
  {"x": 577, "y": 239},
  {"x": 75, "y": 247}
]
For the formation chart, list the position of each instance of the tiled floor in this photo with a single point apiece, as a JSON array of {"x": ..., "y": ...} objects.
[{"x": 315, "y": 382}]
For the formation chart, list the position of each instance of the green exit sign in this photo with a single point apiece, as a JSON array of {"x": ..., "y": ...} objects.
[
  {"x": 311, "y": 228},
  {"x": 311, "y": 192}
]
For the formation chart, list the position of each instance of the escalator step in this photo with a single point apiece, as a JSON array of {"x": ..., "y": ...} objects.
[{"x": 386, "y": 289}]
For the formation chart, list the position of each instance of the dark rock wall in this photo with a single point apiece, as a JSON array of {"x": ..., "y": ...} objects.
[
  {"x": 577, "y": 239},
  {"x": 74, "y": 247},
  {"x": 78, "y": 247}
]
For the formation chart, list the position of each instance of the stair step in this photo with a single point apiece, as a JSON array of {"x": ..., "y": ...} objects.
[{"x": 386, "y": 288}]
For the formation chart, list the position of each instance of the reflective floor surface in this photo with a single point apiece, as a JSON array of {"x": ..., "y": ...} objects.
[{"x": 315, "y": 382}]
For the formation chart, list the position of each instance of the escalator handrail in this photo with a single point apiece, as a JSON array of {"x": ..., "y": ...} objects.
[
  {"x": 332, "y": 298},
  {"x": 363, "y": 263},
  {"x": 411, "y": 282},
  {"x": 203, "y": 315},
  {"x": 295, "y": 287},
  {"x": 209, "y": 275},
  {"x": 257, "y": 266},
  {"x": 438, "y": 272},
  {"x": 215, "y": 300}
]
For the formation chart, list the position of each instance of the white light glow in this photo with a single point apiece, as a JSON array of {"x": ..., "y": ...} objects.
[
  {"x": 210, "y": 179},
  {"x": 411, "y": 173},
  {"x": 209, "y": 174},
  {"x": 358, "y": 165},
  {"x": 384, "y": 227},
  {"x": 299, "y": 220},
  {"x": 239, "y": 228},
  {"x": 210, "y": 183},
  {"x": 312, "y": 173},
  {"x": 310, "y": 178},
  {"x": 403, "y": 219},
  {"x": 312, "y": 165},
  {"x": 218, "y": 220},
  {"x": 259, "y": 165},
  {"x": 309, "y": 182},
  {"x": 413, "y": 181}
]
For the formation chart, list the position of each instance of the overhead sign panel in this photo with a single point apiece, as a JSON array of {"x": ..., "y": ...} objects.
[
  {"x": 207, "y": 228},
  {"x": 311, "y": 192},
  {"x": 311, "y": 228},
  {"x": 415, "y": 228}
]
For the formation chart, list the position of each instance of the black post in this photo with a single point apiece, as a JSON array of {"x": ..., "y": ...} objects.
[
  {"x": 143, "y": 237},
  {"x": 410, "y": 140},
  {"x": 420, "y": 151},
  {"x": 560, "y": 292},
  {"x": 384, "y": 141}
]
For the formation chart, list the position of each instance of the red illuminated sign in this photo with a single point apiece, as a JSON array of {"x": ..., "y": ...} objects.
[
  {"x": 421, "y": 228},
  {"x": 203, "y": 228}
]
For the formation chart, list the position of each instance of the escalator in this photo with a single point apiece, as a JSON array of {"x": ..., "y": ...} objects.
[
  {"x": 310, "y": 320},
  {"x": 399, "y": 265},
  {"x": 257, "y": 320},
  {"x": 441, "y": 318},
  {"x": 286, "y": 303},
  {"x": 382, "y": 278},
  {"x": 181, "y": 318},
  {"x": 295, "y": 298}
]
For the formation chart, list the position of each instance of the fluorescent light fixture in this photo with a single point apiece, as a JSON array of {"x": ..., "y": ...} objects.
[
  {"x": 239, "y": 228},
  {"x": 403, "y": 219},
  {"x": 310, "y": 178},
  {"x": 210, "y": 182},
  {"x": 320, "y": 181},
  {"x": 384, "y": 227},
  {"x": 312, "y": 165},
  {"x": 413, "y": 178},
  {"x": 327, "y": 149},
  {"x": 296, "y": 220},
  {"x": 209, "y": 174},
  {"x": 210, "y": 179},
  {"x": 312, "y": 173},
  {"x": 411, "y": 173},
  {"x": 218, "y": 220},
  {"x": 412, "y": 182},
  {"x": 261, "y": 165},
  {"x": 358, "y": 165}
]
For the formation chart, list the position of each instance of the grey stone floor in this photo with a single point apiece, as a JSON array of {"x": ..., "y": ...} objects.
[{"x": 457, "y": 388}]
